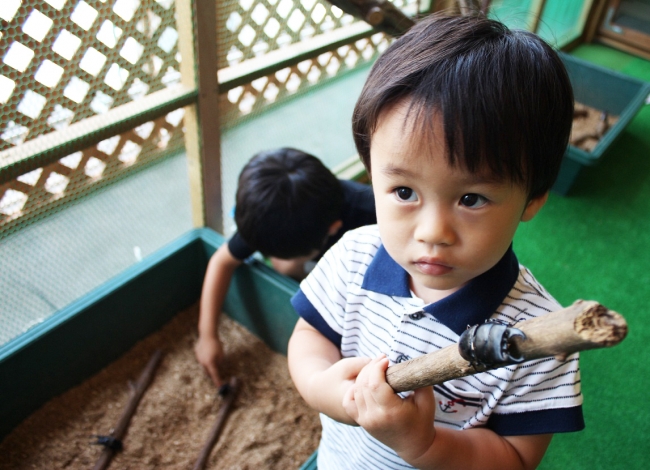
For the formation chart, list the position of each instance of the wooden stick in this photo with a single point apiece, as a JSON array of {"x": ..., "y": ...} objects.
[
  {"x": 136, "y": 393},
  {"x": 582, "y": 326},
  {"x": 233, "y": 387}
]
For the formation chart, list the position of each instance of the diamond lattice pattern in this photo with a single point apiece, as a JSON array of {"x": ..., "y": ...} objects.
[{"x": 66, "y": 60}]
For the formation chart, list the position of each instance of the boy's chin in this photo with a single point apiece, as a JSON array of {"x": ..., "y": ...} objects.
[{"x": 432, "y": 290}]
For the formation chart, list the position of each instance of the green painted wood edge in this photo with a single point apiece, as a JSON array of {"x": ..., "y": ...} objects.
[
  {"x": 258, "y": 299},
  {"x": 310, "y": 463},
  {"x": 82, "y": 338},
  {"x": 50, "y": 155}
]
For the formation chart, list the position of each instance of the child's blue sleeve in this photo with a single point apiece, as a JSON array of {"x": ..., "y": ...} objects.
[
  {"x": 308, "y": 312},
  {"x": 323, "y": 294}
]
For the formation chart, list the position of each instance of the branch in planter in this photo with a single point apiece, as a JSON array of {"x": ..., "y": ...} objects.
[
  {"x": 582, "y": 326},
  {"x": 603, "y": 125},
  {"x": 228, "y": 392},
  {"x": 579, "y": 138},
  {"x": 136, "y": 392}
]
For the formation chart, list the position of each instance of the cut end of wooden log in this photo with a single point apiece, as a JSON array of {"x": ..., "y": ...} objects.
[
  {"x": 600, "y": 325},
  {"x": 374, "y": 16}
]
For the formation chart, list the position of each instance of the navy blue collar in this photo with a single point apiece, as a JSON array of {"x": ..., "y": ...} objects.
[{"x": 470, "y": 305}]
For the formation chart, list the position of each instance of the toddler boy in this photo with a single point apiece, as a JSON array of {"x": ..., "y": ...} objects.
[
  {"x": 291, "y": 208},
  {"x": 462, "y": 125}
]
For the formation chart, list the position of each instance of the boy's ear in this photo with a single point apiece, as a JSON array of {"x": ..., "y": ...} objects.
[
  {"x": 533, "y": 207},
  {"x": 335, "y": 227}
]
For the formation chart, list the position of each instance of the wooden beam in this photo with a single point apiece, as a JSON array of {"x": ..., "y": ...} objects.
[
  {"x": 617, "y": 44},
  {"x": 48, "y": 148},
  {"x": 266, "y": 64}
]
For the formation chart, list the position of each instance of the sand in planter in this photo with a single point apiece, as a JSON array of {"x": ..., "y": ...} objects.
[
  {"x": 586, "y": 126},
  {"x": 269, "y": 426}
]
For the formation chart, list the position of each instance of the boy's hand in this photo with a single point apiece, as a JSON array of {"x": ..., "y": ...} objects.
[
  {"x": 319, "y": 373},
  {"x": 329, "y": 386},
  {"x": 209, "y": 353},
  {"x": 403, "y": 424}
]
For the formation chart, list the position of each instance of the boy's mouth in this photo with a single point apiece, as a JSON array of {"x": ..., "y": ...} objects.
[{"x": 432, "y": 266}]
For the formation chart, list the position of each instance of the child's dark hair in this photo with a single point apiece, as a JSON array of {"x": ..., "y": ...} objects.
[
  {"x": 504, "y": 97},
  {"x": 286, "y": 202}
]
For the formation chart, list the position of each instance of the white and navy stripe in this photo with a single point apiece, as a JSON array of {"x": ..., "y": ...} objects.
[{"x": 359, "y": 298}]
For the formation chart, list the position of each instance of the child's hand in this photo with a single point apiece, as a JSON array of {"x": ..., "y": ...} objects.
[
  {"x": 209, "y": 353},
  {"x": 329, "y": 386},
  {"x": 403, "y": 424}
]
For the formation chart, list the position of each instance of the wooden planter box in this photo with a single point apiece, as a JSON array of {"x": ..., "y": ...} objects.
[{"x": 605, "y": 90}]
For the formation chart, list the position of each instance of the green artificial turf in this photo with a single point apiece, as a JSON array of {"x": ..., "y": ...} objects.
[{"x": 594, "y": 244}]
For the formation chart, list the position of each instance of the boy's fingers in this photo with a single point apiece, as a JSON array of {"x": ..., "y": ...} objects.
[
  {"x": 359, "y": 401},
  {"x": 424, "y": 399},
  {"x": 375, "y": 381},
  {"x": 368, "y": 393},
  {"x": 214, "y": 375},
  {"x": 350, "y": 405}
]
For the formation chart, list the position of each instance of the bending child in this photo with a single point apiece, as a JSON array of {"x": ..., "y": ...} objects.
[
  {"x": 292, "y": 209},
  {"x": 462, "y": 125}
]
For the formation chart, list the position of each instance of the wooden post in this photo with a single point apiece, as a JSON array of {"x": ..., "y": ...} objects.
[
  {"x": 202, "y": 124},
  {"x": 538, "y": 12}
]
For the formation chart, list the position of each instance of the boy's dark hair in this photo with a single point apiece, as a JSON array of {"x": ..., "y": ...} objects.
[
  {"x": 286, "y": 202},
  {"x": 504, "y": 97}
]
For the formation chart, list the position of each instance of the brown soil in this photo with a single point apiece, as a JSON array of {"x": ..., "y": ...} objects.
[
  {"x": 589, "y": 126},
  {"x": 269, "y": 427}
]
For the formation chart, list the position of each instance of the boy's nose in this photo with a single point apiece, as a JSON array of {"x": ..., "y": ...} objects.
[{"x": 434, "y": 228}]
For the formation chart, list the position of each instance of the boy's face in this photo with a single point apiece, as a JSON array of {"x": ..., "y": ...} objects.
[{"x": 442, "y": 224}]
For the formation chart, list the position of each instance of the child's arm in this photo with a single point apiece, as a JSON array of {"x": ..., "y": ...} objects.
[
  {"x": 406, "y": 426},
  {"x": 217, "y": 279},
  {"x": 319, "y": 373}
]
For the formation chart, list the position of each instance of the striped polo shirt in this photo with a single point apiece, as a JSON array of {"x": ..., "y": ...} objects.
[{"x": 359, "y": 298}]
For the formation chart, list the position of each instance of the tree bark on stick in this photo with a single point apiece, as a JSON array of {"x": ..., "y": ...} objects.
[
  {"x": 136, "y": 392},
  {"x": 582, "y": 326},
  {"x": 233, "y": 387}
]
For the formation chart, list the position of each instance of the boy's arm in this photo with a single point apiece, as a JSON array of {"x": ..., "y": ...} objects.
[
  {"x": 217, "y": 279},
  {"x": 320, "y": 375},
  {"x": 406, "y": 426},
  {"x": 481, "y": 448}
]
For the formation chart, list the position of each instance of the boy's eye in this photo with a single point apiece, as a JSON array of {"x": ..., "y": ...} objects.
[
  {"x": 406, "y": 194},
  {"x": 473, "y": 200}
]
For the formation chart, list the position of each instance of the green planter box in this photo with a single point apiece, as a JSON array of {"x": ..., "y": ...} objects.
[
  {"x": 605, "y": 90},
  {"x": 81, "y": 339}
]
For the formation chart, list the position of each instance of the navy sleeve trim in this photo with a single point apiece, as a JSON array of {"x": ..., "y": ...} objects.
[
  {"x": 307, "y": 311},
  {"x": 538, "y": 422},
  {"x": 239, "y": 248}
]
